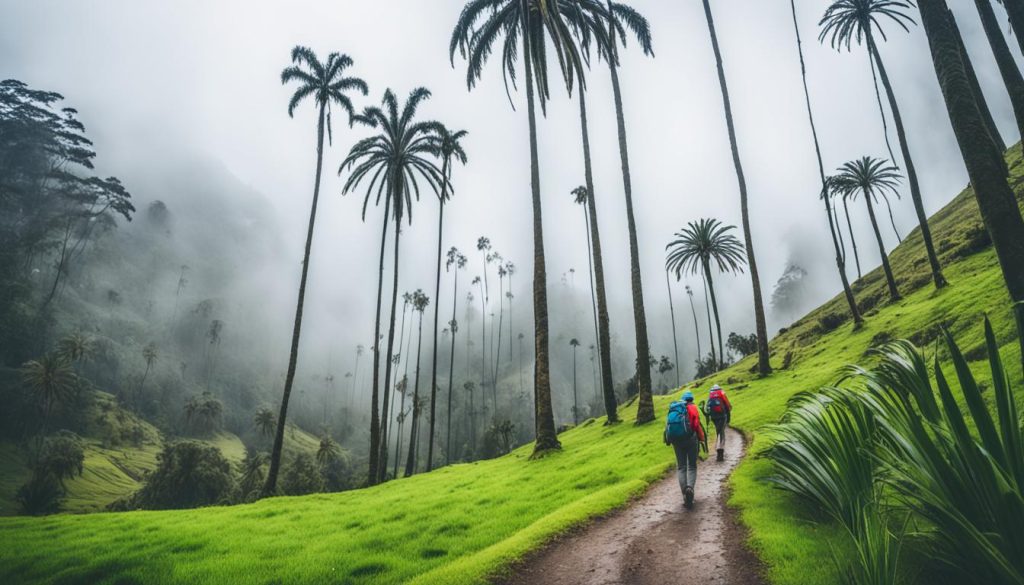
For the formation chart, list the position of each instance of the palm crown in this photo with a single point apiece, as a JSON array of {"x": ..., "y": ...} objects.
[
  {"x": 326, "y": 82},
  {"x": 870, "y": 176},
  {"x": 701, "y": 243},
  {"x": 846, "y": 21},
  {"x": 403, "y": 152},
  {"x": 449, "y": 148},
  {"x": 624, "y": 19},
  {"x": 455, "y": 258},
  {"x": 553, "y": 23}
]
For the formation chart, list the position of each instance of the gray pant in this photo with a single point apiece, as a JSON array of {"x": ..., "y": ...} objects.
[
  {"x": 686, "y": 461},
  {"x": 721, "y": 423}
]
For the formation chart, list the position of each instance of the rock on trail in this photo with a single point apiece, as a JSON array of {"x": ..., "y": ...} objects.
[{"x": 655, "y": 540}]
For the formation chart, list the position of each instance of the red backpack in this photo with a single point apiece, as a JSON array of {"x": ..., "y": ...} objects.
[{"x": 716, "y": 404}]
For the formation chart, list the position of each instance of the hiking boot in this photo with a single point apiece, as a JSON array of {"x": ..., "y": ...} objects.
[
  {"x": 688, "y": 498},
  {"x": 721, "y": 455}
]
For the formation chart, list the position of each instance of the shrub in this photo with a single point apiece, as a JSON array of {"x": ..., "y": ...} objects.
[
  {"x": 831, "y": 321},
  {"x": 42, "y": 494},
  {"x": 189, "y": 474},
  {"x": 301, "y": 477}
]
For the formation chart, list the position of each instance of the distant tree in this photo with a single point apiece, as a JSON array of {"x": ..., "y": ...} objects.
[
  {"x": 264, "y": 421},
  {"x": 788, "y": 295},
  {"x": 327, "y": 84},
  {"x": 60, "y": 456},
  {"x": 575, "y": 343},
  {"x": 456, "y": 261},
  {"x": 664, "y": 366},
  {"x": 328, "y": 451},
  {"x": 763, "y": 365},
  {"x": 204, "y": 413},
  {"x": 149, "y": 355},
  {"x": 696, "y": 326},
  {"x": 51, "y": 382},
  {"x": 301, "y": 477},
  {"x": 252, "y": 474},
  {"x": 401, "y": 155},
  {"x": 76, "y": 348},
  {"x": 742, "y": 345},
  {"x": 450, "y": 149},
  {"x": 213, "y": 336},
  {"x": 849, "y": 21},
  {"x": 694, "y": 250},
  {"x": 188, "y": 474},
  {"x": 470, "y": 386},
  {"x": 41, "y": 495},
  {"x": 872, "y": 178},
  {"x": 420, "y": 302}
]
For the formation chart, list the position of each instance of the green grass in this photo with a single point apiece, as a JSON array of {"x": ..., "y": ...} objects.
[{"x": 463, "y": 523}]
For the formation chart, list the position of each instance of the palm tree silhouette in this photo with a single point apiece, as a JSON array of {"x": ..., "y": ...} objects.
[
  {"x": 575, "y": 343},
  {"x": 149, "y": 355},
  {"x": 871, "y": 178},
  {"x": 598, "y": 296},
  {"x": 450, "y": 149},
  {"x": 695, "y": 248},
  {"x": 672, "y": 312},
  {"x": 985, "y": 167},
  {"x": 456, "y": 262},
  {"x": 826, "y": 190},
  {"x": 395, "y": 160},
  {"x": 763, "y": 365},
  {"x": 51, "y": 381},
  {"x": 76, "y": 348},
  {"x": 327, "y": 84},
  {"x": 543, "y": 27},
  {"x": 622, "y": 18},
  {"x": 846, "y": 21},
  {"x": 696, "y": 326},
  {"x": 406, "y": 300},
  {"x": 264, "y": 421},
  {"x": 420, "y": 302}
]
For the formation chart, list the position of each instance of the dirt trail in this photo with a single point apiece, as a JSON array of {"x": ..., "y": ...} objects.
[{"x": 655, "y": 540}]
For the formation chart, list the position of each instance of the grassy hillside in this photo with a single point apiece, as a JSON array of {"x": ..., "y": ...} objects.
[{"x": 464, "y": 522}]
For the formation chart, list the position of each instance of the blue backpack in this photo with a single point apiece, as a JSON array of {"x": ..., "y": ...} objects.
[{"x": 677, "y": 424}]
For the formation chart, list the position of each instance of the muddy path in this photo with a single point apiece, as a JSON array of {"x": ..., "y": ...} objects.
[{"x": 655, "y": 540}]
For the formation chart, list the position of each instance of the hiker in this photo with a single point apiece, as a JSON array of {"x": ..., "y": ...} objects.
[
  {"x": 684, "y": 432},
  {"x": 719, "y": 410}
]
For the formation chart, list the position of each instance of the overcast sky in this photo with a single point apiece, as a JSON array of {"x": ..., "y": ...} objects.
[{"x": 160, "y": 81}]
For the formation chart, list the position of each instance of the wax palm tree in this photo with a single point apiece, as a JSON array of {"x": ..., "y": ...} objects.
[
  {"x": 621, "y": 18},
  {"x": 847, "y": 21},
  {"x": 360, "y": 350},
  {"x": 396, "y": 360},
  {"x": 699, "y": 245},
  {"x": 763, "y": 365},
  {"x": 469, "y": 386},
  {"x": 584, "y": 196},
  {"x": 327, "y": 84},
  {"x": 76, "y": 348},
  {"x": 395, "y": 161},
  {"x": 834, "y": 191},
  {"x": 1012, "y": 78},
  {"x": 574, "y": 343},
  {"x": 696, "y": 325},
  {"x": 502, "y": 273},
  {"x": 327, "y": 452},
  {"x": 264, "y": 421},
  {"x": 972, "y": 76},
  {"x": 871, "y": 178},
  {"x": 543, "y": 27},
  {"x": 420, "y": 302},
  {"x": 456, "y": 262},
  {"x": 51, "y": 381},
  {"x": 449, "y": 145},
  {"x": 672, "y": 312},
  {"x": 149, "y": 355},
  {"x": 986, "y": 168}
]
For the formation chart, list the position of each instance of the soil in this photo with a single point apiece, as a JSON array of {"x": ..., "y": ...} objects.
[{"x": 655, "y": 540}]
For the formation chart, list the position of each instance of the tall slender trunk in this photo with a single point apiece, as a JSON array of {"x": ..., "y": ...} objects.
[
  {"x": 892, "y": 220},
  {"x": 410, "y": 462},
  {"x": 714, "y": 307},
  {"x": 603, "y": 333},
  {"x": 483, "y": 343},
  {"x": 1015, "y": 14},
  {"x": 696, "y": 327},
  {"x": 375, "y": 385},
  {"x": 394, "y": 387},
  {"x": 355, "y": 383},
  {"x": 437, "y": 309},
  {"x": 837, "y": 241},
  {"x": 915, "y": 187},
  {"x": 497, "y": 352},
  {"x": 270, "y": 487},
  {"x": 451, "y": 370},
  {"x": 575, "y": 402},
  {"x": 763, "y": 365},
  {"x": 711, "y": 330},
  {"x": 972, "y": 76},
  {"x": 391, "y": 334},
  {"x": 996, "y": 199},
  {"x": 544, "y": 416},
  {"x": 853, "y": 240},
  {"x": 834, "y": 219},
  {"x": 672, "y": 310},
  {"x": 645, "y": 403},
  {"x": 894, "y": 293}
]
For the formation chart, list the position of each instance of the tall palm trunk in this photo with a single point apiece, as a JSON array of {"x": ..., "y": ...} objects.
[
  {"x": 1015, "y": 14},
  {"x": 714, "y": 307},
  {"x": 881, "y": 111},
  {"x": 497, "y": 351},
  {"x": 391, "y": 332},
  {"x": 355, "y": 381},
  {"x": 544, "y": 416},
  {"x": 1016, "y": 100},
  {"x": 410, "y": 462},
  {"x": 375, "y": 438},
  {"x": 894, "y": 293},
  {"x": 270, "y": 487},
  {"x": 437, "y": 309},
  {"x": 483, "y": 343},
  {"x": 394, "y": 387},
  {"x": 997, "y": 201},
  {"x": 763, "y": 365},
  {"x": 892, "y": 220},
  {"x": 575, "y": 402},
  {"x": 915, "y": 188},
  {"x": 645, "y": 404},
  {"x": 672, "y": 310},
  {"x": 696, "y": 328},
  {"x": 451, "y": 371},
  {"x": 826, "y": 196},
  {"x": 603, "y": 334},
  {"x": 711, "y": 329},
  {"x": 853, "y": 240}
]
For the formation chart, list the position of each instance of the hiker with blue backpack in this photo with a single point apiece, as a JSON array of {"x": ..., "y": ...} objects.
[
  {"x": 684, "y": 432},
  {"x": 719, "y": 410}
]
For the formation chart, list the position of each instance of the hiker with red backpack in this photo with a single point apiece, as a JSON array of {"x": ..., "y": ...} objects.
[
  {"x": 684, "y": 432},
  {"x": 719, "y": 410}
]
